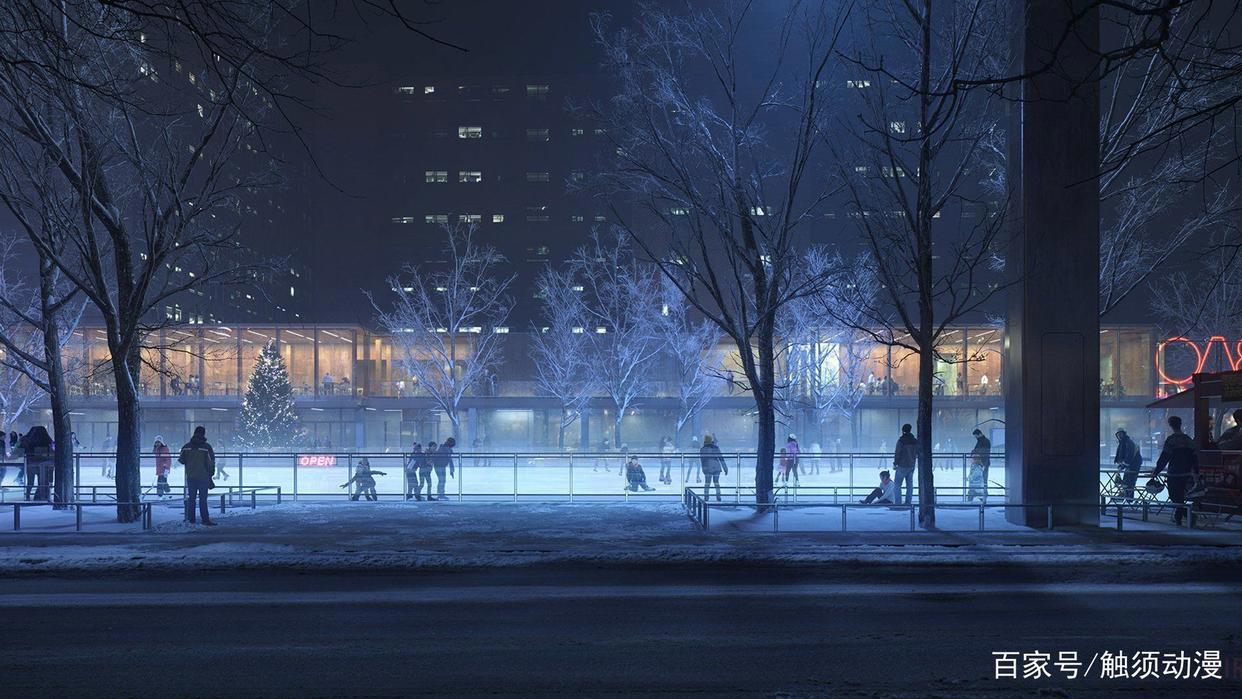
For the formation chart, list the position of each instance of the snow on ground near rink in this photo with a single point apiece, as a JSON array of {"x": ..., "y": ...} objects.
[{"x": 380, "y": 536}]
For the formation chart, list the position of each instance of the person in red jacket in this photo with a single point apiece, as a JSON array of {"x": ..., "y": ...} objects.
[{"x": 163, "y": 466}]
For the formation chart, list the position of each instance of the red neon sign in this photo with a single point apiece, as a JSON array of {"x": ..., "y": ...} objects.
[
  {"x": 317, "y": 460},
  {"x": 1233, "y": 356}
]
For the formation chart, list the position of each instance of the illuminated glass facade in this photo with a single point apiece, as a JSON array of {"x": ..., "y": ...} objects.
[{"x": 353, "y": 393}]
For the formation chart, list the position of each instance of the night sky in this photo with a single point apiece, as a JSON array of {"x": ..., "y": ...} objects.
[{"x": 338, "y": 223}]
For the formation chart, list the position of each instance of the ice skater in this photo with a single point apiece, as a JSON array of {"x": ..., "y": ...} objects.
[
  {"x": 712, "y": 463},
  {"x": 666, "y": 460},
  {"x": 425, "y": 465},
  {"x": 163, "y": 466},
  {"x": 635, "y": 477},
  {"x": 108, "y": 468},
  {"x": 443, "y": 460},
  {"x": 789, "y": 464},
  {"x": 413, "y": 487},
  {"x": 689, "y": 464},
  {"x": 364, "y": 481}
]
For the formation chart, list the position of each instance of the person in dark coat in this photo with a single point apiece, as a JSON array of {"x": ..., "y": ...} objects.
[
  {"x": 364, "y": 480},
  {"x": 1130, "y": 460},
  {"x": 443, "y": 461},
  {"x": 199, "y": 460},
  {"x": 1181, "y": 458},
  {"x": 425, "y": 465},
  {"x": 412, "y": 485},
  {"x": 905, "y": 458},
  {"x": 635, "y": 476},
  {"x": 713, "y": 464},
  {"x": 38, "y": 447}
]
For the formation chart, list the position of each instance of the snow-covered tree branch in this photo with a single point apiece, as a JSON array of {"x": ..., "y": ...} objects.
[
  {"x": 620, "y": 302},
  {"x": 689, "y": 344},
  {"x": 444, "y": 321},
  {"x": 561, "y": 348}
]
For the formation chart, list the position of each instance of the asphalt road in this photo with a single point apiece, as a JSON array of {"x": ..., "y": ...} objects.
[{"x": 590, "y": 632}]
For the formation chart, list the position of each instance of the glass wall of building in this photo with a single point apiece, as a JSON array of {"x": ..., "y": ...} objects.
[
  {"x": 297, "y": 348},
  {"x": 983, "y": 373},
  {"x": 219, "y": 366},
  {"x": 1135, "y": 363},
  {"x": 336, "y": 360}
]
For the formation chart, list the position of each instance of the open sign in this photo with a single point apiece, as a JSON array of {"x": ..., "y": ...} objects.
[{"x": 317, "y": 460}]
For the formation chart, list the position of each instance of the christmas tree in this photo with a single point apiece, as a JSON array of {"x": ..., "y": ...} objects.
[{"x": 268, "y": 419}]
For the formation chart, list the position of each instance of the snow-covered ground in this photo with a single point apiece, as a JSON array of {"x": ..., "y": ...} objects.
[{"x": 391, "y": 535}]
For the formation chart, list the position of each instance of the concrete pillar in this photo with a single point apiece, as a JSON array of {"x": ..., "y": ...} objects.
[{"x": 1052, "y": 352}]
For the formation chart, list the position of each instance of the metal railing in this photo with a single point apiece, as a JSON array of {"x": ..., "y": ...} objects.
[
  {"x": 145, "y": 517},
  {"x": 539, "y": 475},
  {"x": 699, "y": 510}
]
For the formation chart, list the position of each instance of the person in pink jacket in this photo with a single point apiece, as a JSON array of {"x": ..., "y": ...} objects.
[{"x": 163, "y": 466}]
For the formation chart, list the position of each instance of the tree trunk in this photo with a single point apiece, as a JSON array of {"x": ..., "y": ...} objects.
[
  {"x": 616, "y": 429},
  {"x": 766, "y": 405},
  {"x": 128, "y": 439},
  {"x": 560, "y": 436},
  {"x": 927, "y": 485},
  {"x": 62, "y": 468}
]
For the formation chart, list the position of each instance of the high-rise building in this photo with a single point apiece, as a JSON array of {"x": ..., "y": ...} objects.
[{"x": 503, "y": 154}]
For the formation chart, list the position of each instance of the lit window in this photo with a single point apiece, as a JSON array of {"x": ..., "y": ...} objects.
[
  {"x": 760, "y": 211},
  {"x": 897, "y": 126},
  {"x": 576, "y": 132},
  {"x": 578, "y": 287},
  {"x": 501, "y": 330},
  {"x": 469, "y": 218},
  {"x": 576, "y": 218},
  {"x": 429, "y": 89},
  {"x": 600, "y": 131},
  {"x": 858, "y": 84},
  {"x": 436, "y": 176},
  {"x": 500, "y": 91},
  {"x": 406, "y": 90},
  {"x": 577, "y": 176},
  {"x": 537, "y": 92},
  {"x": 537, "y": 177},
  {"x": 201, "y": 114},
  {"x": 470, "y": 132},
  {"x": 498, "y": 218},
  {"x": 860, "y": 169},
  {"x": 678, "y": 211},
  {"x": 291, "y": 291},
  {"x": 600, "y": 218},
  {"x": 469, "y": 176},
  {"x": 436, "y": 219},
  {"x": 537, "y": 134},
  {"x": 537, "y": 218}
]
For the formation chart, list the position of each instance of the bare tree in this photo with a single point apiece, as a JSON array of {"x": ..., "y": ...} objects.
[
  {"x": 561, "y": 349},
  {"x": 18, "y": 393},
  {"x": 1208, "y": 302},
  {"x": 444, "y": 322},
  {"x": 824, "y": 352},
  {"x": 689, "y": 344},
  {"x": 719, "y": 152},
  {"x": 620, "y": 302},
  {"x": 1147, "y": 176},
  {"x": 35, "y": 323},
  {"x": 917, "y": 184}
]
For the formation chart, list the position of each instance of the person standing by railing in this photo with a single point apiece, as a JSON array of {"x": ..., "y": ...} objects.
[
  {"x": 163, "y": 466},
  {"x": 412, "y": 486},
  {"x": 698, "y": 472},
  {"x": 199, "y": 460},
  {"x": 905, "y": 458},
  {"x": 443, "y": 460},
  {"x": 712, "y": 462},
  {"x": 38, "y": 447},
  {"x": 666, "y": 460},
  {"x": 792, "y": 452},
  {"x": 1182, "y": 459},
  {"x": 1130, "y": 460}
]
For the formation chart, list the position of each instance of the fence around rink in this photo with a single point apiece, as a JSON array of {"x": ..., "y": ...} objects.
[
  {"x": 535, "y": 476},
  {"x": 543, "y": 476}
]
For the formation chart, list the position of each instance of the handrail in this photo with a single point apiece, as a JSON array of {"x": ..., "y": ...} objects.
[{"x": 145, "y": 516}]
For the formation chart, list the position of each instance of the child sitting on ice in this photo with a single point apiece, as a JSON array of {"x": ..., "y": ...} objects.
[{"x": 635, "y": 477}]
